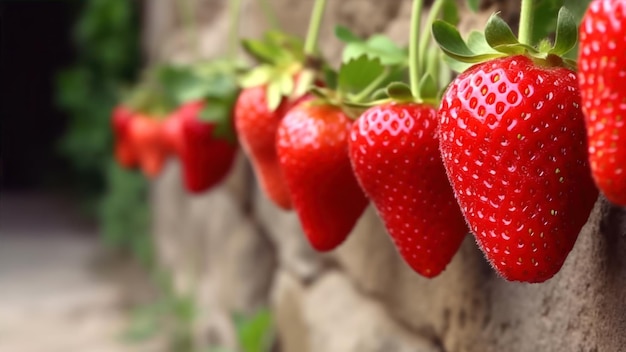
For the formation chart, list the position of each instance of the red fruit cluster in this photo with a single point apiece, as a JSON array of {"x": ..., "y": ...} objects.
[
  {"x": 602, "y": 72},
  {"x": 147, "y": 142}
]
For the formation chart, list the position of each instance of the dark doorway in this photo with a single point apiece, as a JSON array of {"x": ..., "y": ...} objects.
[{"x": 35, "y": 43}]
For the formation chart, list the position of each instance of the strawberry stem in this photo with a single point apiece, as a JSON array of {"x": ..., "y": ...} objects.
[
  {"x": 233, "y": 31},
  {"x": 434, "y": 11},
  {"x": 269, "y": 14},
  {"x": 314, "y": 27},
  {"x": 526, "y": 22},
  {"x": 414, "y": 63}
]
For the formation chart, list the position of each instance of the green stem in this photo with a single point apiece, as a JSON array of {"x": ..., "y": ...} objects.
[
  {"x": 435, "y": 9},
  {"x": 269, "y": 14},
  {"x": 372, "y": 86},
  {"x": 414, "y": 74},
  {"x": 314, "y": 27},
  {"x": 233, "y": 31},
  {"x": 526, "y": 22}
]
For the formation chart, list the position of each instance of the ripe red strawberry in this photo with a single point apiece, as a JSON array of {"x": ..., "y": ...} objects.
[
  {"x": 256, "y": 127},
  {"x": 121, "y": 121},
  {"x": 312, "y": 145},
  {"x": 146, "y": 135},
  {"x": 512, "y": 140},
  {"x": 602, "y": 72},
  {"x": 205, "y": 157},
  {"x": 394, "y": 151}
]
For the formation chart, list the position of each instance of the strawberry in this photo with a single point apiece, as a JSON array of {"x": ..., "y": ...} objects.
[
  {"x": 121, "y": 120},
  {"x": 513, "y": 143},
  {"x": 312, "y": 146},
  {"x": 256, "y": 127},
  {"x": 394, "y": 152},
  {"x": 146, "y": 134},
  {"x": 205, "y": 156},
  {"x": 602, "y": 71}
]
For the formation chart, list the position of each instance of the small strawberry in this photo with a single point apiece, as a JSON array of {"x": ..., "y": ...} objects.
[
  {"x": 512, "y": 140},
  {"x": 602, "y": 71},
  {"x": 256, "y": 127},
  {"x": 121, "y": 121},
  {"x": 146, "y": 135},
  {"x": 394, "y": 149},
  {"x": 206, "y": 156},
  {"x": 312, "y": 145}
]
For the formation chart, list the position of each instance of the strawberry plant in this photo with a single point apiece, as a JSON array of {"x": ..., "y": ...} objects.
[
  {"x": 513, "y": 144},
  {"x": 601, "y": 71},
  {"x": 394, "y": 150},
  {"x": 312, "y": 142},
  {"x": 280, "y": 82}
]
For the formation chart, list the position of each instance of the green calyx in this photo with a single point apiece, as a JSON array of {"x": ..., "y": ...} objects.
[
  {"x": 281, "y": 58},
  {"x": 498, "y": 41}
]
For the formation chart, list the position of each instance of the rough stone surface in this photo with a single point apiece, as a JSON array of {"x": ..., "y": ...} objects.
[{"x": 363, "y": 297}]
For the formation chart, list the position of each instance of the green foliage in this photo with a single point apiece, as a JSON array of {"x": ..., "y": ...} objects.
[
  {"x": 376, "y": 47},
  {"x": 106, "y": 37},
  {"x": 254, "y": 332}
]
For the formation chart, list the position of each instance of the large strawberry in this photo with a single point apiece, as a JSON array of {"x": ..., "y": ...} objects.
[
  {"x": 206, "y": 154},
  {"x": 256, "y": 127},
  {"x": 312, "y": 146},
  {"x": 513, "y": 144},
  {"x": 122, "y": 117},
  {"x": 602, "y": 71},
  {"x": 394, "y": 151}
]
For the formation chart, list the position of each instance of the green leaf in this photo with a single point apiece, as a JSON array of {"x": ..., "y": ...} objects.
[
  {"x": 428, "y": 87},
  {"x": 358, "y": 73},
  {"x": 477, "y": 43},
  {"x": 345, "y": 35},
  {"x": 377, "y": 46},
  {"x": 498, "y": 32},
  {"x": 566, "y": 33},
  {"x": 399, "y": 91},
  {"x": 473, "y": 5},
  {"x": 219, "y": 113},
  {"x": 456, "y": 65},
  {"x": 450, "y": 12},
  {"x": 450, "y": 41},
  {"x": 254, "y": 333},
  {"x": 261, "y": 50},
  {"x": 544, "y": 13},
  {"x": 286, "y": 84}
]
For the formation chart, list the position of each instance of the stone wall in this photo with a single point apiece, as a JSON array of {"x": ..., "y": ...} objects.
[{"x": 236, "y": 251}]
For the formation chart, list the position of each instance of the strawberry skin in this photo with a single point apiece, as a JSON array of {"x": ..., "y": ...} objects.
[
  {"x": 512, "y": 138},
  {"x": 121, "y": 121},
  {"x": 394, "y": 150},
  {"x": 256, "y": 127},
  {"x": 147, "y": 140},
  {"x": 312, "y": 146},
  {"x": 601, "y": 73},
  {"x": 206, "y": 159}
]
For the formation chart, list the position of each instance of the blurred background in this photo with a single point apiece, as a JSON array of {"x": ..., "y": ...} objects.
[{"x": 96, "y": 258}]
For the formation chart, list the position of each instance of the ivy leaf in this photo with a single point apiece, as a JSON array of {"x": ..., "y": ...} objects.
[
  {"x": 358, "y": 73},
  {"x": 566, "y": 33}
]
